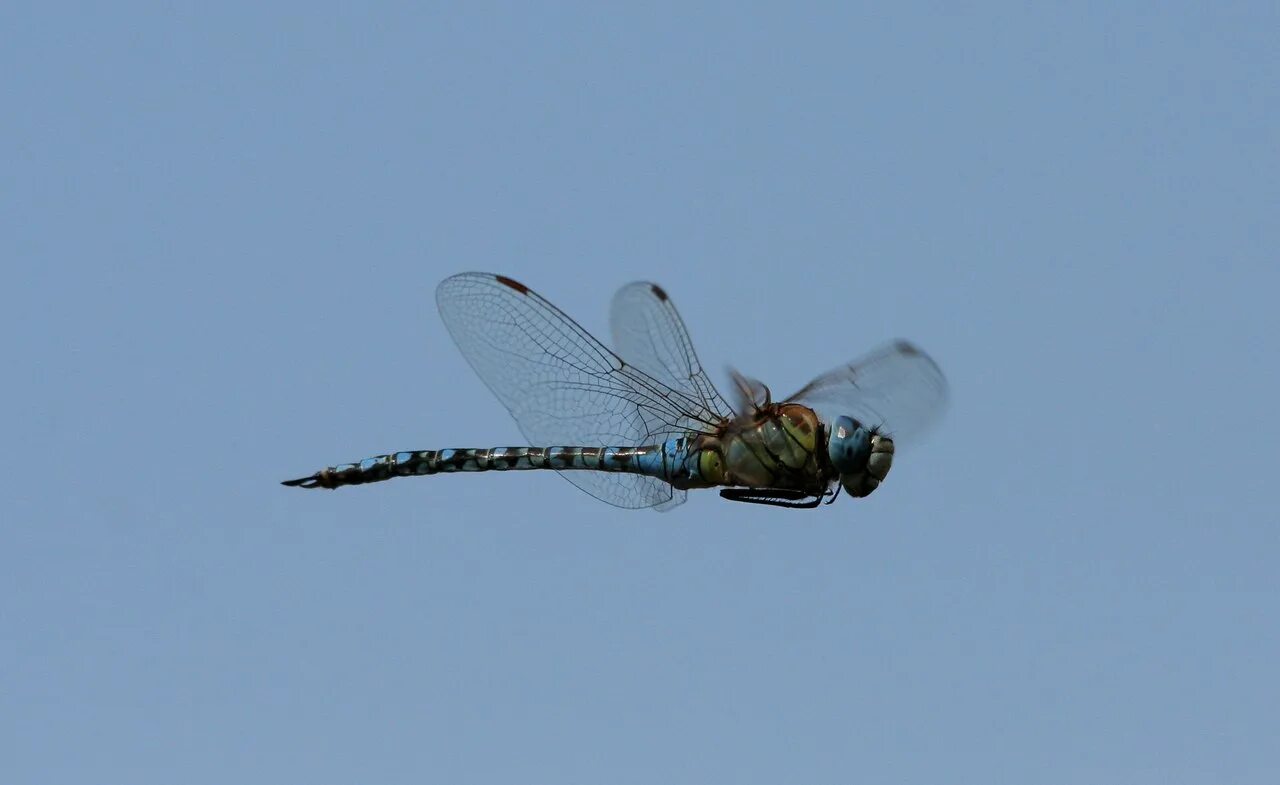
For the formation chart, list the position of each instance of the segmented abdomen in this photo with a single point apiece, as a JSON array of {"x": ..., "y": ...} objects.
[{"x": 639, "y": 460}]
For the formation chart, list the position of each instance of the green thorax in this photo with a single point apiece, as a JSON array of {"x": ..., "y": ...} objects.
[{"x": 778, "y": 446}]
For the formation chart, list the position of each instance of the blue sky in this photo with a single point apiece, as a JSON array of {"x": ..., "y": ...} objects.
[{"x": 223, "y": 228}]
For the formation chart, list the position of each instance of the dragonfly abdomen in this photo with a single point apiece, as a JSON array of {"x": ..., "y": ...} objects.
[{"x": 651, "y": 460}]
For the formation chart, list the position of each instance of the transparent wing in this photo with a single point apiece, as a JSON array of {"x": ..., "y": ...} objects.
[
  {"x": 896, "y": 387},
  {"x": 749, "y": 394},
  {"x": 649, "y": 333},
  {"x": 562, "y": 386}
]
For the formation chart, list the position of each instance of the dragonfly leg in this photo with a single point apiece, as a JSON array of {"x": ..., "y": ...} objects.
[{"x": 777, "y": 497}]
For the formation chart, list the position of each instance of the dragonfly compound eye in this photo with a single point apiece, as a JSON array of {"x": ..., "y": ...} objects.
[
  {"x": 849, "y": 446},
  {"x": 861, "y": 457}
]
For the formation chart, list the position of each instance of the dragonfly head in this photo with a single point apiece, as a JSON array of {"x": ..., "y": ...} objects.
[{"x": 860, "y": 454}]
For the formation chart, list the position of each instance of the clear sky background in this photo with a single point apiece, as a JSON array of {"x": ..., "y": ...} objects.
[{"x": 222, "y": 228}]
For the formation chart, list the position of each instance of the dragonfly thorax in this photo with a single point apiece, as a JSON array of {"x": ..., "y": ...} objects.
[{"x": 860, "y": 455}]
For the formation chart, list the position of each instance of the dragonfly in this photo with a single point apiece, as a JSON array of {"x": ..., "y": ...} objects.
[{"x": 641, "y": 424}]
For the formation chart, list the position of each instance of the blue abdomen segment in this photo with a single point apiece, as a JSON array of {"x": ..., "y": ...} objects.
[
  {"x": 669, "y": 461},
  {"x": 666, "y": 461}
]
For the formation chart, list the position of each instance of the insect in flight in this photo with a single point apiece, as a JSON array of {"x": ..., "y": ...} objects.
[{"x": 640, "y": 425}]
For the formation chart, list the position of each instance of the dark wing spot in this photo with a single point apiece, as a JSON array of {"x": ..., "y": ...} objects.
[
  {"x": 906, "y": 348},
  {"x": 658, "y": 292},
  {"x": 505, "y": 281}
]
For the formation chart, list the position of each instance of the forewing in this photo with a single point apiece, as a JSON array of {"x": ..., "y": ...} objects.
[
  {"x": 897, "y": 387},
  {"x": 649, "y": 334},
  {"x": 562, "y": 386}
]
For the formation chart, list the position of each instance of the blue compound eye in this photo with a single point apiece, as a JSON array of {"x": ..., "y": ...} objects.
[{"x": 849, "y": 446}]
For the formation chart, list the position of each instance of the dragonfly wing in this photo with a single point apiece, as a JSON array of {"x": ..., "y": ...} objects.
[
  {"x": 562, "y": 386},
  {"x": 678, "y": 498},
  {"x": 648, "y": 331},
  {"x": 650, "y": 335},
  {"x": 897, "y": 387},
  {"x": 750, "y": 394}
]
